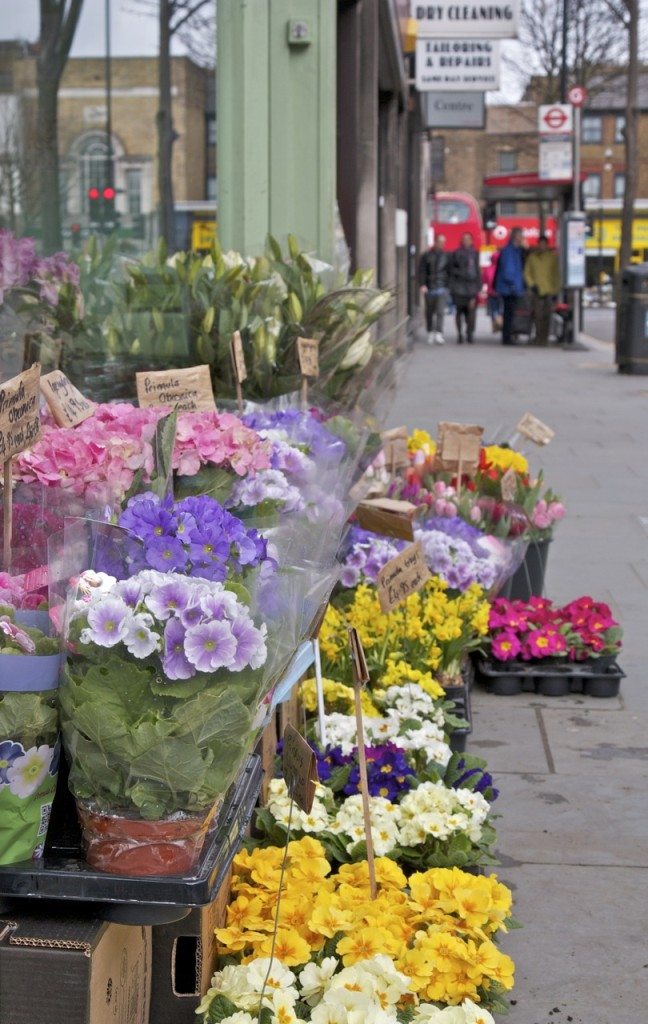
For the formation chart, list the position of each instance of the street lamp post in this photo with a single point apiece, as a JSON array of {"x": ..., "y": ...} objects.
[{"x": 607, "y": 166}]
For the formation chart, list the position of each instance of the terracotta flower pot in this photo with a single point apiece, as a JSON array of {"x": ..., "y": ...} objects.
[{"x": 135, "y": 847}]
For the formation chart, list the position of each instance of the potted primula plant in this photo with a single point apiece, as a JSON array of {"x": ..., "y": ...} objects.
[
  {"x": 159, "y": 706},
  {"x": 29, "y": 745}
]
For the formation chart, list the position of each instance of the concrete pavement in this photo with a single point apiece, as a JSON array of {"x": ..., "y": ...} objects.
[{"x": 573, "y": 771}]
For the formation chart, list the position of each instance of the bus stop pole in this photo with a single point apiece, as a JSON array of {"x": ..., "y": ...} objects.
[{"x": 576, "y": 202}]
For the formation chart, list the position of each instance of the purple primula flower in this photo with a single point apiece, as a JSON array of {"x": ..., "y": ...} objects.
[
  {"x": 130, "y": 591},
  {"x": 350, "y": 576},
  {"x": 166, "y": 553},
  {"x": 170, "y": 599},
  {"x": 191, "y": 615},
  {"x": 250, "y": 645},
  {"x": 210, "y": 646},
  {"x": 107, "y": 622},
  {"x": 222, "y": 604},
  {"x": 175, "y": 662}
]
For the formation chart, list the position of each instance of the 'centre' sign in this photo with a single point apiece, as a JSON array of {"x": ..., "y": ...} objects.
[{"x": 447, "y": 19}]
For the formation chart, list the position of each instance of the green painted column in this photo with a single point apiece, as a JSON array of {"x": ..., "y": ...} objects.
[{"x": 275, "y": 85}]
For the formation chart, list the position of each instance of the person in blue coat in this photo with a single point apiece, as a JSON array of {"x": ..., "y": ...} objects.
[{"x": 509, "y": 281}]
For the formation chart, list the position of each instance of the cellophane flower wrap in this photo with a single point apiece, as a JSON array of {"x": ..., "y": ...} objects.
[{"x": 29, "y": 731}]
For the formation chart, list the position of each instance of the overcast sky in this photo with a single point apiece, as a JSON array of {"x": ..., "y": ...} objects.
[{"x": 133, "y": 34}]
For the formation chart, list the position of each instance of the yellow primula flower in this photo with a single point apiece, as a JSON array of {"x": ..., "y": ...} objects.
[
  {"x": 290, "y": 948},
  {"x": 363, "y": 943},
  {"x": 328, "y": 918}
]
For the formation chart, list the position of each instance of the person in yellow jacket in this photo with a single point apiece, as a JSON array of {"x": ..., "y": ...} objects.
[{"x": 542, "y": 277}]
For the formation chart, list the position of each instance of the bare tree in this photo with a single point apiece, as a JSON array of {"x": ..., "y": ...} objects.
[
  {"x": 596, "y": 46},
  {"x": 58, "y": 23},
  {"x": 191, "y": 21}
]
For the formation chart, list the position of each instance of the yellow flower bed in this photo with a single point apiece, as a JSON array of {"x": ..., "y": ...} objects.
[{"x": 438, "y": 932}]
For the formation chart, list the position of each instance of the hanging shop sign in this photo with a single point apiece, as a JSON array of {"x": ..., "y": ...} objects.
[
  {"x": 463, "y": 64},
  {"x": 447, "y": 19},
  {"x": 454, "y": 109}
]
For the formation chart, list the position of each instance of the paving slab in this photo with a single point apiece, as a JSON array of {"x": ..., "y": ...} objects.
[
  {"x": 511, "y": 742},
  {"x": 581, "y": 956},
  {"x": 597, "y": 743}
]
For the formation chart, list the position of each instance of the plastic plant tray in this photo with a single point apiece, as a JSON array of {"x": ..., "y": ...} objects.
[
  {"x": 510, "y": 678},
  {"x": 62, "y": 874}
]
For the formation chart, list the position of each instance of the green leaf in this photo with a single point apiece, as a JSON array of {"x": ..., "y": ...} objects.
[
  {"x": 28, "y": 717},
  {"x": 220, "y": 1008}
]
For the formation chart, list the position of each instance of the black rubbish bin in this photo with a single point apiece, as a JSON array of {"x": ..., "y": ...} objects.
[{"x": 632, "y": 323}]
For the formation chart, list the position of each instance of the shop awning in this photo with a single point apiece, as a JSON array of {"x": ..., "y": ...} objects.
[{"x": 525, "y": 186}]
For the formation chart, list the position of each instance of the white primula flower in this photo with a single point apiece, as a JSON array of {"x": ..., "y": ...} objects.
[
  {"x": 241, "y": 1017},
  {"x": 390, "y": 983},
  {"x": 428, "y": 1014},
  {"x": 233, "y": 983},
  {"x": 476, "y": 1014},
  {"x": 280, "y": 978},
  {"x": 28, "y": 771},
  {"x": 140, "y": 639},
  {"x": 282, "y": 1007},
  {"x": 315, "y": 980}
]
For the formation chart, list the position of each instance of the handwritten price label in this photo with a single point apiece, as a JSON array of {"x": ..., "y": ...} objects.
[
  {"x": 68, "y": 406},
  {"x": 19, "y": 413},
  {"x": 459, "y": 444},
  {"x": 533, "y": 428},
  {"x": 238, "y": 357},
  {"x": 299, "y": 769},
  {"x": 395, "y": 448},
  {"x": 404, "y": 575},
  {"x": 388, "y": 516},
  {"x": 187, "y": 390},
  {"x": 308, "y": 354},
  {"x": 509, "y": 485}
]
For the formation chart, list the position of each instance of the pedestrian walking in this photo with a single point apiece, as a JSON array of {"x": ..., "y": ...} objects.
[
  {"x": 433, "y": 282},
  {"x": 542, "y": 276},
  {"x": 509, "y": 281},
  {"x": 465, "y": 285},
  {"x": 493, "y": 300}
]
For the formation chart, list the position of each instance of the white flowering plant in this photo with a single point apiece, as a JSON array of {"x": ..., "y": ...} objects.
[{"x": 372, "y": 991}]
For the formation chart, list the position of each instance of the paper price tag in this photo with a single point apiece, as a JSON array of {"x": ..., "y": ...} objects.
[
  {"x": 67, "y": 405},
  {"x": 187, "y": 390},
  {"x": 509, "y": 485},
  {"x": 20, "y": 424},
  {"x": 459, "y": 444},
  {"x": 308, "y": 354},
  {"x": 358, "y": 660},
  {"x": 533, "y": 428},
  {"x": 238, "y": 357},
  {"x": 402, "y": 576},
  {"x": 299, "y": 769},
  {"x": 395, "y": 448},
  {"x": 388, "y": 516}
]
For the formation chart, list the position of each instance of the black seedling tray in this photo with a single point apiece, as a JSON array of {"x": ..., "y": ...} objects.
[
  {"x": 588, "y": 678},
  {"x": 63, "y": 874},
  {"x": 463, "y": 708}
]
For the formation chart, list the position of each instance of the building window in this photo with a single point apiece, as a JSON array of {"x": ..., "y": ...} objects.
[
  {"x": 508, "y": 208},
  {"x": 592, "y": 186},
  {"x": 211, "y": 186},
  {"x": 619, "y": 128},
  {"x": 133, "y": 181},
  {"x": 211, "y": 130},
  {"x": 508, "y": 161},
  {"x": 437, "y": 159},
  {"x": 592, "y": 130},
  {"x": 619, "y": 186},
  {"x": 94, "y": 167}
]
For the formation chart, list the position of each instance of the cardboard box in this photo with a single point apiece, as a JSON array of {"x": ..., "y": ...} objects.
[
  {"x": 184, "y": 960},
  {"x": 267, "y": 750},
  {"x": 75, "y": 971}
]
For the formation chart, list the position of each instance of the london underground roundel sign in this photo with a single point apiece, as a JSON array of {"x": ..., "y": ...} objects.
[{"x": 555, "y": 118}]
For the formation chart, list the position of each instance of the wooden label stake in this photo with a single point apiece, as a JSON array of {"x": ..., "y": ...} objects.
[
  {"x": 533, "y": 428},
  {"x": 299, "y": 769},
  {"x": 308, "y": 355},
  {"x": 238, "y": 365},
  {"x": 360, "y": 679},
  {"x": 20, "y": 428},
  {"x": 401, "y": 576},
  {"x": 67, "y": 405},
  {"x": 187, "y": 390}
]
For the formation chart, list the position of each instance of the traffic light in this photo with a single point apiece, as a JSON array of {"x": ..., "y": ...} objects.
[
  {"x": 109, "y": 212},
  {"x": 95, "y": 206}
]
